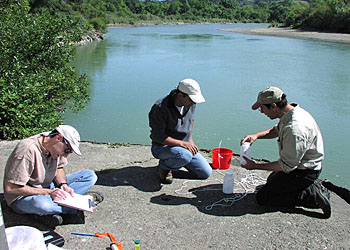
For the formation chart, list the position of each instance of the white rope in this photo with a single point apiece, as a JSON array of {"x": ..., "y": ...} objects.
[
  {"x": 219, "y": 155},
  {"x": 184, "y": 185},
  {"x": 247, "y": 185}
]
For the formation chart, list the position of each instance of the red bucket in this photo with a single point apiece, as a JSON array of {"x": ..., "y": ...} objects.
[{"x": 222, "y": 158}]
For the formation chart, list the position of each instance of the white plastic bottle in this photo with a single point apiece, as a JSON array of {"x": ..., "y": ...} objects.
[
  {"x": 229, "y": 181},
  {"x": 245, "y": 151}
]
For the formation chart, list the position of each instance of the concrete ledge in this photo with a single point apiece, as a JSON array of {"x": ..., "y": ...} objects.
[{"x": 185, "y": 214}]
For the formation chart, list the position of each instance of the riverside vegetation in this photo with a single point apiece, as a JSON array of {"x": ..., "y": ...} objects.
[{"x": 37, "y": 83}]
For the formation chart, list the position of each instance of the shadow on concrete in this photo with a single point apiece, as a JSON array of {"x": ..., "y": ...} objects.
[
  {"x": 211, "y": 200},
  {"x": 142, "y": 178},
  {"x": 13, "y": 219}
]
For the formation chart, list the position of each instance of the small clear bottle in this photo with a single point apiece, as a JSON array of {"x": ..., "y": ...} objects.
[
  {"x": 245, "y": 151},
  {"x": 229, "y": 181},
  {"x": 137, "y": 244}
]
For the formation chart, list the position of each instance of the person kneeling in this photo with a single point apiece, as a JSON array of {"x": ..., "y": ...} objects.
[
  {"x": 171, "y": 121},
  {"x": 294, "y": 180}
]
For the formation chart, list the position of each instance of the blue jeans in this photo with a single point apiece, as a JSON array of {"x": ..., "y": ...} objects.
[
  {"x": 174, "y": 158},
  {"x": 80, "y": 182}
]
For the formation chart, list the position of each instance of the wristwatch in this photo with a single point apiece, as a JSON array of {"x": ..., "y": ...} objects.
[{"x": 61, "y": 184}]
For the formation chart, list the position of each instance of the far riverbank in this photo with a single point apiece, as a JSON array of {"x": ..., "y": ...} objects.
[
  {"x": 268, "y": 31},
  {"x": 294, "y": 33}
]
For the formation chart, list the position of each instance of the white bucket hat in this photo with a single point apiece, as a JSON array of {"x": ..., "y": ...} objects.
[
  {"x": 192, "y": 89},
  {"x": 71, "y": 135}
]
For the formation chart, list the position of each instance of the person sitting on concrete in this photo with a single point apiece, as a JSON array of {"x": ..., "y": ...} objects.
[
  {"x": 294, "y": 180},
  {"x": 171, "y": 120},
  {"x": 35, "y": 177}
]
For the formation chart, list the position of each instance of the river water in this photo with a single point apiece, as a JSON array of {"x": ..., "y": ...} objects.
[{"x": 135, "y": 66}]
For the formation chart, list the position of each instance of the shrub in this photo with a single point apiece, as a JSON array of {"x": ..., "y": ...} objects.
[{"x": 36, "y": 82}]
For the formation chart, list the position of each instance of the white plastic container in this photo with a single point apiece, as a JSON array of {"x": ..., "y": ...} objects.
[
  {"x": 229, "y": 181},
  {"x": 245, "y": 151}
]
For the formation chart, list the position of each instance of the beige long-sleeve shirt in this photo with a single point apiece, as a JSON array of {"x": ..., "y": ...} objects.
[{"x": 300, "y": 141}]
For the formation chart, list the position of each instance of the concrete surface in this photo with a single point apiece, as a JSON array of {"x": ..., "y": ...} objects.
[{"x": 188, "y": 214}]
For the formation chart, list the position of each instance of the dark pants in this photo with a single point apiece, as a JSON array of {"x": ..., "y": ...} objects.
[{"x": 295, "y": 188}]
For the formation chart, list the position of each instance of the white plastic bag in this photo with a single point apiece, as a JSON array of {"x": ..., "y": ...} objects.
[{"x": 24, "y": 237}]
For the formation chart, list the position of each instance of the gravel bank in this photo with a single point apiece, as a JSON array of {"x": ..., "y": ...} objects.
[{"x": 293, "y": 33}]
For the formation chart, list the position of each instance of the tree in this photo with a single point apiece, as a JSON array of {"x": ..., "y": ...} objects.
[
  {"x": 279, "y": 10},
  {"x": 297, "y": 14},
  {"x": 36, "y": 82},
  {"x": 174, "y": 7}
]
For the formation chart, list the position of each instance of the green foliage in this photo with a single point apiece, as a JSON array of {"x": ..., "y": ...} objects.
[
  {"x": 98, "y": 23},
  {"x": 326, "y": 15},
  {"x": 332, "y": 15},
  {"x": 296, "y": 14},
  {"x": 279, "y": 10},
  {"x": 329, "y": 15},
  {"x": 36, "y": 82}
]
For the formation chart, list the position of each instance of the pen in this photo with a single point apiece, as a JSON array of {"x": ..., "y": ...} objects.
[{"x": 84, "y": 234}]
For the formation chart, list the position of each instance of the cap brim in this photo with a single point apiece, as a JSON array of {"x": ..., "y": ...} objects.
[
  {"x": 197, "y": 98},
  {"x": 256, "y": 106},
  {"x": 75, "y": 149}
]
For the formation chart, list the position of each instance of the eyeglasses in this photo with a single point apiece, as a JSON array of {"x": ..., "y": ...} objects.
[{"x": 68, "y": 150}]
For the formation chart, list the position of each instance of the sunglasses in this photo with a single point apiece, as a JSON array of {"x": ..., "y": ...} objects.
[{"x": 68, "y": 150}]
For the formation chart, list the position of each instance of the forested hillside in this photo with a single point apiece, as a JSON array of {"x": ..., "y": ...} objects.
[{"x": 327, "y": 15}]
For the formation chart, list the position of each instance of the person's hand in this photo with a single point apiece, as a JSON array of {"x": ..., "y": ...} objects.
[
  {"x": 68, "y": 189},
  {"x": 249, "y": 138},
  {"x": 58, "y": 194},
  {"x": 190, "y": 146},
  {"x": 250, "y": 165}
]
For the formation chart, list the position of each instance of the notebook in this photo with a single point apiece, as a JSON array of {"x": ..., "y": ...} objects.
[{"x": 80, "y": 202}]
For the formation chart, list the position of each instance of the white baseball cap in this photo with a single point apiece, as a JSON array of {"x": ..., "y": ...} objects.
[
  {"x": 192, "y": 89},
  {"x": 71, "y": 135}
]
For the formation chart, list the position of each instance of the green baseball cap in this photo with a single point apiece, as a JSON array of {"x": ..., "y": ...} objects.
[{"x": 269, "y": 95}]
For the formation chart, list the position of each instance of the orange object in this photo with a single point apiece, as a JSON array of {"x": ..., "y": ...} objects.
[
  {"x": 120, "y": 245},
  {"x": 114, "y": 244},
  {"x": 111, "y": 236}
]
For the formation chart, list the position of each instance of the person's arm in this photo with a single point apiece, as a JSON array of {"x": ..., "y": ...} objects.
[
  {"x": 266, "y": 134},
  {"x": 187, "y": 145},
  {"x": 269, "y": 166},
  {"x": 56, "y": 194},
  {"x": 61, "y": 180},
  {"x": 157, "y": 122}
]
